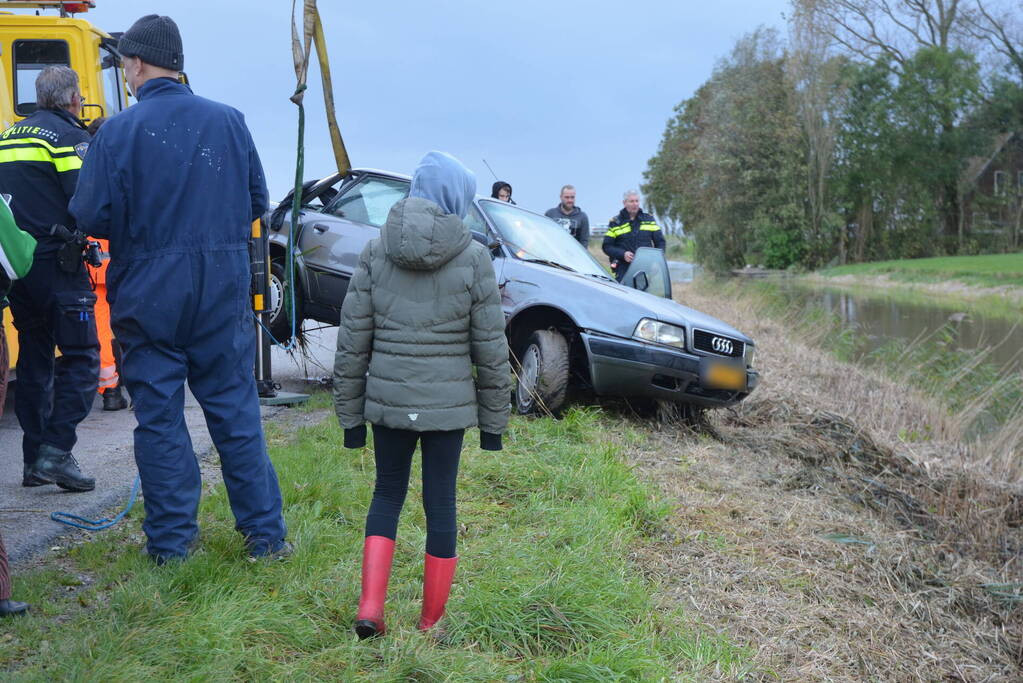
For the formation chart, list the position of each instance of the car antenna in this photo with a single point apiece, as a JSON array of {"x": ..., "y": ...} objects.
[{"x": 491, "y": 170}]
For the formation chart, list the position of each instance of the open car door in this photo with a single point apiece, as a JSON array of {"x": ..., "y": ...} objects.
[{"x": 648, "y": 273}]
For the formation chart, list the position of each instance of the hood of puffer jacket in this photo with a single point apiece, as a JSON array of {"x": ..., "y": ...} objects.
[
  {"x": 419, "y": 235},
  {"x": 445, "y": 181}
]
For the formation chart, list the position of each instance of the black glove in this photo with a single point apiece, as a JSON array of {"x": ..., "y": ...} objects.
[
  {"x": 355, "y": 437},
  {"x": 490, "y": 442}
]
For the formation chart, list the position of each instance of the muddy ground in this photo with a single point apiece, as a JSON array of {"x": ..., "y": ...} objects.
[{"x": 809, "y": 530}]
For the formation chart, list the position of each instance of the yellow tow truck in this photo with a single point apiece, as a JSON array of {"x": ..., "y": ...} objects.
[{"x": 29, "y": 42}]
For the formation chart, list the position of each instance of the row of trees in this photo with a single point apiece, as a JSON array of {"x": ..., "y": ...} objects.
[{"x": 849, "y": 139}]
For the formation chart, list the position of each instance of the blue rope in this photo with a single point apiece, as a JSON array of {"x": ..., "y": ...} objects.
[
  {"x": 273, "y": 340},
  {"x": 98, "y": 524}
]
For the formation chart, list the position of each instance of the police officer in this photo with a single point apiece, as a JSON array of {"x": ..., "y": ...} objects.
[
  {"x": 627, "y": 232},
  {"x": 174, "y": 183},
  {"x": 52, "y": 305}
]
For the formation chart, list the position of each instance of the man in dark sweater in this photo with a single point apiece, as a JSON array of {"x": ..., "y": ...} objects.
[{"x": 571, "y": 217}]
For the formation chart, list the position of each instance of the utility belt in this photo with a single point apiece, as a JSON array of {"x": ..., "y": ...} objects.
[{"x": 76, "y": 250}]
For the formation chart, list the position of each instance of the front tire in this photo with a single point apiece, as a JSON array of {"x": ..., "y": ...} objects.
[
  {"x": 277, "y": 320},
  {"x": 542, "y": 373}
]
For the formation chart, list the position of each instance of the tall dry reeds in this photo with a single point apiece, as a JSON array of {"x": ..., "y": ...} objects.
[
  {"x": 966, "y": 477},
  {"x": 842, "y": 522}
]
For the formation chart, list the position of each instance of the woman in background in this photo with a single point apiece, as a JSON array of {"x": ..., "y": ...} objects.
[{"x": 502, "y": 190}]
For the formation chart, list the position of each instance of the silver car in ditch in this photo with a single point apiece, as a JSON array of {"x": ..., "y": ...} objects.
[{"x": 571, "y": 327}]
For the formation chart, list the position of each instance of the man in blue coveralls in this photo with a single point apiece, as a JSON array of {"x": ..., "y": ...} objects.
[{"x": 174, "y": 183}]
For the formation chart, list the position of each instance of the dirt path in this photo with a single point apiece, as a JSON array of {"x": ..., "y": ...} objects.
[{"x": 807, "y": 530}]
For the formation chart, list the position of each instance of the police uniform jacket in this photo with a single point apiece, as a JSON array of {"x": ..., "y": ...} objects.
[
  {"x": 625, "y": 235},
  {"x": 40, "y": 158}
]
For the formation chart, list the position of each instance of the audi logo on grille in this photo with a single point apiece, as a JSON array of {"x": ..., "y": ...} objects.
[
  {"x": 721, "y": 345},
  {"x": 716, "y": 343}
]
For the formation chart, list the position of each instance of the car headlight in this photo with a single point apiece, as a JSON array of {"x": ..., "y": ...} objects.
[
  {"x": 660, "y": 333},
  {"x": 751, "y": 354}
]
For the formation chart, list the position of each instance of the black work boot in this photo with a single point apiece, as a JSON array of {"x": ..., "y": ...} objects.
[
  {"x": 61, "y": 468},
  {"x": 283, "y": 552},
  {"x": 113, "y": 399},
  {"x": 29, "y": 477},
  {"x": 10, "y": 608}
]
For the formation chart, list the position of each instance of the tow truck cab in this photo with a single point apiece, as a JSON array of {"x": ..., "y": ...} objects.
[{"x": 30, "y": 42}]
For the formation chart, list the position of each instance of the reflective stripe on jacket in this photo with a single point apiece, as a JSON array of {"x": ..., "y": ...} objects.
[
  {"x": 40, "y": 158},
  {"x": 625, "y": 235}
]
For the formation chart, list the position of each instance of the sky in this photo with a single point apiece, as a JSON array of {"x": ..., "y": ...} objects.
[{"x": 549, "y": 93}]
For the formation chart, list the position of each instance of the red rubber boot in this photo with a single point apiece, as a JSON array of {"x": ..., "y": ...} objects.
[
  {"x": 437, "y": 575},
  {"x": 377, "y": 553}
]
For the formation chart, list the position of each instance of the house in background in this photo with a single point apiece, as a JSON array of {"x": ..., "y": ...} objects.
[{"x": 992, "y": 196}]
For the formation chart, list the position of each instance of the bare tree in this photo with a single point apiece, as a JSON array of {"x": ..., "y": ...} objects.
[
  {"x": 891, "y": 28},
  {"x": 999, "y": 26},
  {"x": 897, "y": 30},
  {"x": 815, "y": 77}
]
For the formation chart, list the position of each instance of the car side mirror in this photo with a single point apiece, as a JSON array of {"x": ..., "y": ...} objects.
[
  {"x": 495, "y": 248},
  {"x": 641, "y": 281}
]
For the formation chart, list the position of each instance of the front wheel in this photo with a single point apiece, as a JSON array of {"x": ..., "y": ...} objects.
[
  {"x": 542, "y": 373},
  {"x": 277, "y": 319}
]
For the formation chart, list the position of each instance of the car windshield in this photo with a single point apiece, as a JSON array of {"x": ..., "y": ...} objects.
[{"x": 538, "y": 238}]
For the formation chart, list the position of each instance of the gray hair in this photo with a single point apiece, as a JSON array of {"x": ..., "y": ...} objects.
[
  {"x": 55, "y": 87},
  {"x": 566, "y": 187},
  {"x": 630, "y": 193}
]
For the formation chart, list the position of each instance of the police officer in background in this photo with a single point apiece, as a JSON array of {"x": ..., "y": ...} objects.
[
  {"x": 631, "y": 229},
  {"x": 53, "y": 304},
  {"x": 174, "y": 183}
]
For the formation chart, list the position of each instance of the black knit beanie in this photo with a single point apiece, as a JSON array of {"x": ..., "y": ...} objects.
[{"x": 155, "y": 40}]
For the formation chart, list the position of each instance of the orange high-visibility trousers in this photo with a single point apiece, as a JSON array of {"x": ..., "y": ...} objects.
[{"x": 107, "y": 362}]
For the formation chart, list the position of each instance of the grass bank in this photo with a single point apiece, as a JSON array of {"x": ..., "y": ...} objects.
[
  {"x": 996, "y": 279},
  {"x": 840, "y": 522},
  {"x": 992, "y": 270},
  {"x": 545, "y": 590},
  {"x": 680, "y": 249},
  {"x": 676, "y": 249},
  {"x": 982, "y": 402}
]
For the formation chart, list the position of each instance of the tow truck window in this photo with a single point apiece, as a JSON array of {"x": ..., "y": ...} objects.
[
  {"x": 113, "y": 83},
  {"x": 370, "y": 200},
  {"x": 31, "y": 57}
]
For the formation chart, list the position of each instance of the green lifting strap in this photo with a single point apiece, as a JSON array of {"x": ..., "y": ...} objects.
[{"x": 312, "y": 30}]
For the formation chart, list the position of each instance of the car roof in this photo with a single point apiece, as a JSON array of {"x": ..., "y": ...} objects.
[{"x": 377, "y": 171}]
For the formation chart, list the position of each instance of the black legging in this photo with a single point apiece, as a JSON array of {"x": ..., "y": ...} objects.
[{"x": 393, "y": 452}]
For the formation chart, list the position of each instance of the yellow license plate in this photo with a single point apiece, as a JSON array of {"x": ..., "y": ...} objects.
[{"x": 721, "y": 376}]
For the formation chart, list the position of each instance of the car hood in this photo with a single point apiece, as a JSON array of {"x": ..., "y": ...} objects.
[{"x": 596, "y": 304}]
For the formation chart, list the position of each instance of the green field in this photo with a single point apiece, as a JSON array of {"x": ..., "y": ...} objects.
[
  {"x": 994, "y": 270},
  {"x": 680, "y": 249},
  {"x": 545, "y": 589}
]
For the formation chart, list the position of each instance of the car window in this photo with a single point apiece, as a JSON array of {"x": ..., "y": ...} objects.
[
  {"x": 370, "y": 200},
  {"x": 475, "y": 222},
  {"x": 648, "y": 272},
  {"x": 322, "y": 193},
  {"x": 531, "y": 236}
]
